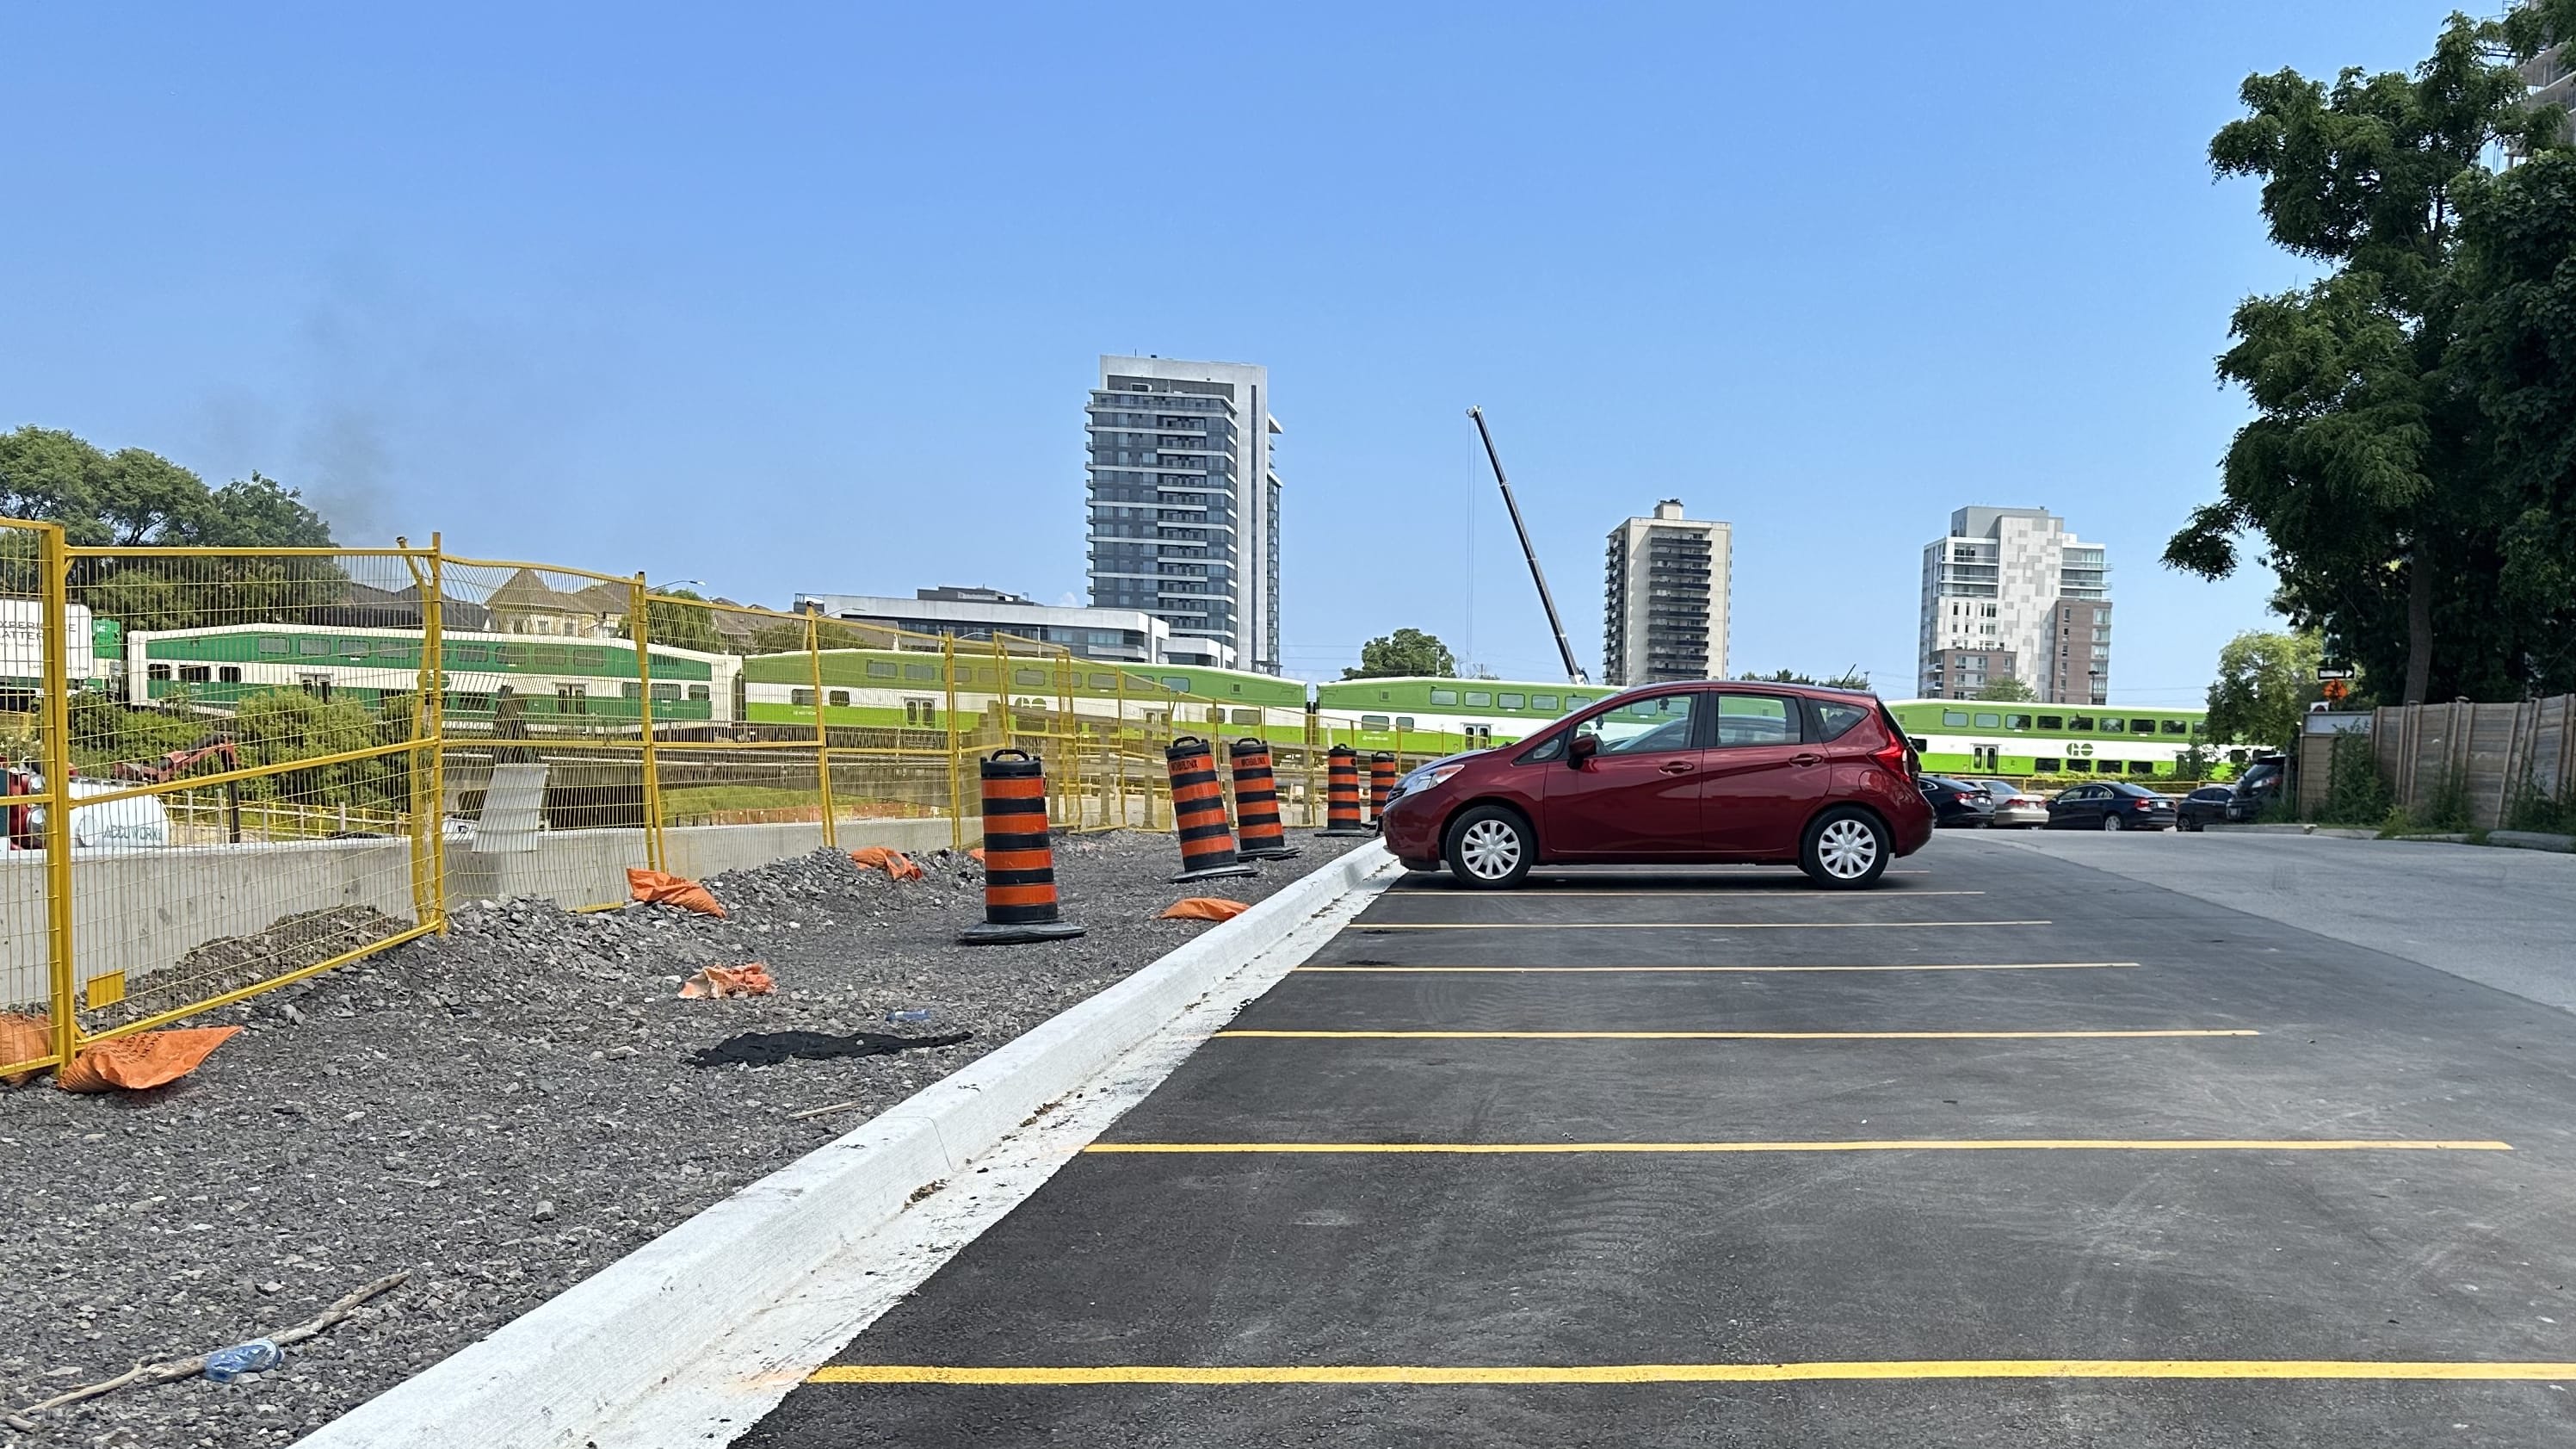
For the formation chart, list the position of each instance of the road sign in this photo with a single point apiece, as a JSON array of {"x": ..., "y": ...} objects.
[{"x": 2333, "y": 671}]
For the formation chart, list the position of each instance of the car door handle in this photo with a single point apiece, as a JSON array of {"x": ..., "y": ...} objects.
[
  {"x": 1674, "y": 767},
  {"x": 1805, "y": 760}
]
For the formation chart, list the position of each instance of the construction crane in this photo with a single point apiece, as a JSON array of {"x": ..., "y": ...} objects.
[{"x": 1564, "y": 649}]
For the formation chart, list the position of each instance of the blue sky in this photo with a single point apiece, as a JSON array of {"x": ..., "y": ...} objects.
[{"x": 810, "y": 298}]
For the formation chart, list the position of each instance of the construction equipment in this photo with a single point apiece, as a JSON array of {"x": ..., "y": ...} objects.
[
  {"x": 1573, "y": 672},
  {"x": 178, "y": 763}
]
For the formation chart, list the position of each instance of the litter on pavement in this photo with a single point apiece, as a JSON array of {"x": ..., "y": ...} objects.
[
  {"x": 769, "y": 1048},
  {"x": 723, "y": 981}
]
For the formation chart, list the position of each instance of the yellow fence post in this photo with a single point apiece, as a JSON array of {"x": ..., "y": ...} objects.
[
  {"x": 58, "y": 789},
  {"x": 429, "y": 731},
  {"x": 434, "y": 620},
  {"x": 956, "y": 798},
  {"x": 822, "y": 740},
  {"x": 639, "y": 617}
]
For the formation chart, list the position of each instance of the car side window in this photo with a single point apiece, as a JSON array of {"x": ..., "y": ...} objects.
[
  {"x": 1834, "y": 718},
  {"x": 1659, "y": 723},
  {"x": 1756, "y": 719}
]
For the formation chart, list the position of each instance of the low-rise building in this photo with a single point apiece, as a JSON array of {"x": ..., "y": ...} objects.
[{"x": 1128, "y": 636}]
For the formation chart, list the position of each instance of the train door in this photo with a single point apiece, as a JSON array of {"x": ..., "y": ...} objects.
[{"x": 1987, "y": 758}]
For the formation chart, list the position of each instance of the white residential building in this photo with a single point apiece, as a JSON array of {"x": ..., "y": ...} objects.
[{"x": 2011, "y": 593}]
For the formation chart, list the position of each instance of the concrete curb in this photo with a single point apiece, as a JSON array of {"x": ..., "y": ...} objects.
[
  {"x": 2532, "y": 840},
  {"x": 2333, "y": 832},
  {"x": 549, "y": 1377}
]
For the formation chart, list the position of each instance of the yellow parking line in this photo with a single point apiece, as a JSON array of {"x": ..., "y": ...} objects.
[
  {"x": 1714, "y": 970},
  {"x": 1706, "y": 1373},
  {"x": 1896, "y": 1144},
  {"x": 1722, "y": 893},
  {"x": 1676, "y": 925},
  {"x": 1730, "y": 1035}
]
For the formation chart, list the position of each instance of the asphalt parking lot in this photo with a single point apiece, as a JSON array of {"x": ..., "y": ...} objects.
[{"x": 1668, "y": 1157}]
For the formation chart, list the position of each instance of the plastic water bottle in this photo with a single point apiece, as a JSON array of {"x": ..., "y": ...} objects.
[
  {"x": 913, "y": 1016},
  {"x": 258, "y": 1356}
]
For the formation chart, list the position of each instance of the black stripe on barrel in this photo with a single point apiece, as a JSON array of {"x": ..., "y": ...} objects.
[
  {"x": 1381, "y": 784},
  {"x": 1342, "y": 793},
  {"x": 1019, "y": 857},
  {"x": 1256, "y": 802},
  {"x": 1198, "y": 812}
]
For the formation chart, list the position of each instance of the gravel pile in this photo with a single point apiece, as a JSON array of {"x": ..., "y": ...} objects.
[{"x": 502, "y": 1110}]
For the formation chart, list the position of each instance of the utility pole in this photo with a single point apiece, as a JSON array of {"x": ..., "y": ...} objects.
[{"x": 1573, "y": 671}]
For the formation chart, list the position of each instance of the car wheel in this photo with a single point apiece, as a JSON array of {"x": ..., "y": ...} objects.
[
  {"x": 1490, "y": 848},
  {"x": 1846, "y": 849},
  {"x": 2113, "y": 822}
]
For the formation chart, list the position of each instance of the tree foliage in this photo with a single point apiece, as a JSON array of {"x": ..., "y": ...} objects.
[
  {"x": 1848, "y": 679},
  {"x": 684, "y": 625},
  {"x": 133, "y": 498},
  {"x": 2370, "y": 469},
  {"x": 2006, "y": 690},
  {"x": 1404, "y": 652},
  {"x": 2264, "y": 687}
]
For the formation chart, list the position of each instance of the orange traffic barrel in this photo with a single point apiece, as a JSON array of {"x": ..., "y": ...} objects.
[
  {"x": 1342, "y": 793},
  {"x": 1256, "y": 802},
  {"x": 1019, "y": 859},
  {"x": 1381, "y": 784},
  {"x": 1198, "y": 809}
]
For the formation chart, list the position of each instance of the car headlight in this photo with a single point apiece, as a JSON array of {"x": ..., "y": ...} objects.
[{"x": 1424, "y": 778}]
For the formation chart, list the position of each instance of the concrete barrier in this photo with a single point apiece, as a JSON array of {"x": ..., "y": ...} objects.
[
  {"x": 2531, "y": 840},
  {"x": 551, "y": 1378},
  {"x": 140, "y": 910}
]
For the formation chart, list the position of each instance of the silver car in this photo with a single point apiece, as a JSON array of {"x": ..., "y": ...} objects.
[{"x": 2013, "y": 809}]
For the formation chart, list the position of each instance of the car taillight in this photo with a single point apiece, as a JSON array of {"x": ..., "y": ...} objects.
[
  {"x": 1897, "y": 756},
  {"x": 2143, "y": 804}
]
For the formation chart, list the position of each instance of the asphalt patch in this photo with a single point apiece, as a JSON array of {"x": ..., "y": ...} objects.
[{"x": 769, "y": 1048}]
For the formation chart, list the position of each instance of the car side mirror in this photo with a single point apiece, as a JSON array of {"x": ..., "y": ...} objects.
[{"x": 1581, "y": 748}]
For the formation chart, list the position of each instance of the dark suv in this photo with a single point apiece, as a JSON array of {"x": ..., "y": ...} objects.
[{"x": 1707, "y": 772}]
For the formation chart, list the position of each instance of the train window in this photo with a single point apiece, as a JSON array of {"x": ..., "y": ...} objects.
[
  {"x": 1511, "y": 701},
  {"x": 470, "y": 703},
  {"x": 312, "y": 648},
  {"x": 2079, "y": 767},
  {"x": 921, "y": 671},
  {"x": 1028, "y": 678},
  {"x": 2081, "y": 722},
  {"x": 880, "y": 669},
  {"x": 572, "y": 699},
  {"x": 2142, "y": 726},
  {"x": 1921, "y": 745},
  {"x": 2142, "y": 767},
  {"x": 630, "y": 690},
  {"x": 229, "y": 674},
  {"x": 353, "y": 648},
  {"x": 589, "y": 658},
  {"x": 666, "y": 692},
  {"x": 2107, "y": 767},
  {"x": 1577, "y": 701},
  {"x": 157, "y": 671},
  {"x": 1247, "y": 716},
  {"x": 1480, "y": 698},
  {"x": 1373, "y": 721},
  {"x": 700, "y": 693},
  {"x": 1444, "y": 696},
  {"x": 2115, "y": 726},
  {"x": 1404, "y": 721},
  {"x": 1543, "y": 701},
  {"x": 1179, "y": 684},
  {"x": 2173, "y": 727},
  {"x": 195, "y": 673},
  {"x": 2016, "y": 721},
  {"x": 469, "y": 654},
  {"x": 1989, "y": 721},
  {"x": 2046, "y": 766},
  {"x": 838, "y": 699},
  {"x": 2052, "y": 721},
  {"x": 514, "y": 655},
  {"x": 275, "y": 644},
  {"x": 1954, "y": 716},
  {"x": 801, "y": 696},
  {"x": 1104, "y": 681}
]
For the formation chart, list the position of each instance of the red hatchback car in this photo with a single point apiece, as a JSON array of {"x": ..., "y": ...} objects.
[{"x": 1714, "y": 772}]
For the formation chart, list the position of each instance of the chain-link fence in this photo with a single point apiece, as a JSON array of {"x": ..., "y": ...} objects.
[{"x": 228, "y": 769}]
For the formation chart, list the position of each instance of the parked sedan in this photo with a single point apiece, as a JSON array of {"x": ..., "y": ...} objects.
[
  {"x": 2115, "y": 806},
  {"x": 2013, "y": 809},
  {"x": 2205, "y": 807},
  {"x": 1958, "y": 802}
]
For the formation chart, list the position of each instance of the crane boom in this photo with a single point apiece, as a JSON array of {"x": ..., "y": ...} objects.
[{"x": 1564, "y": 649}]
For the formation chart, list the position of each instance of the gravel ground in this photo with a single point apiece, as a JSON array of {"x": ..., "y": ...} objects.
[{"x": 501, "y": 1110}]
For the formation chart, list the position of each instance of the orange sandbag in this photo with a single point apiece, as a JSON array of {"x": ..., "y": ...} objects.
[
  {"x": 723, "y": 981},
  {"x": 1205, "y": 908},
  {"x": 892, "y": 862},
  {"x": 24, "y": 1038},
  {"x": 145, "y": 1059},
  {"x": 671, "y": 890}
]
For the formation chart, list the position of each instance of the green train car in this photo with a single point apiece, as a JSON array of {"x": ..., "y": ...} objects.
[
  {"x": 566, "y": 683},
  {"x": 1976, "y": 737}
]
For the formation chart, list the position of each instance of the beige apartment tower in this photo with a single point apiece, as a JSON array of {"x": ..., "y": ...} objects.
[{"x": 1664, "y": 598}]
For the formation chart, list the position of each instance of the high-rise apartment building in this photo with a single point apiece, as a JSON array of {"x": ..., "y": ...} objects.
[
  {"x": 1184, "y": 502},
  {"x": 2011, "y": 593},
  {"x": 1664, "y": 598}
]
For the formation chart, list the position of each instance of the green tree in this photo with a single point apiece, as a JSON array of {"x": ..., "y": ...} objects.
[
  {"x": 2264, "y": 687},
  {"x": 1849, "y": 679},
  {"x": 683, "y": 625},
  {"x": 1406, "y": 651},
  {"x": 2007, "y": 690},
  {"x": 2362, "y": 470},
  {"x": 132, "y": 498}
]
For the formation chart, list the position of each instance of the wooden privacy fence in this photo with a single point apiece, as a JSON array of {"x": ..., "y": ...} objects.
[{"x": 2490, "y": 755}]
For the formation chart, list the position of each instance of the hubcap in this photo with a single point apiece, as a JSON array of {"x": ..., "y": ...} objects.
[
  {"x": 2111, "y": 822},
  {"x": 1848, "y": 848},
  {"x": 1490, "y": 849}
]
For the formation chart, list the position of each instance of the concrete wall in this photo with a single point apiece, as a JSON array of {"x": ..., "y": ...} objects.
[{"x": 140, "y": 911}]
